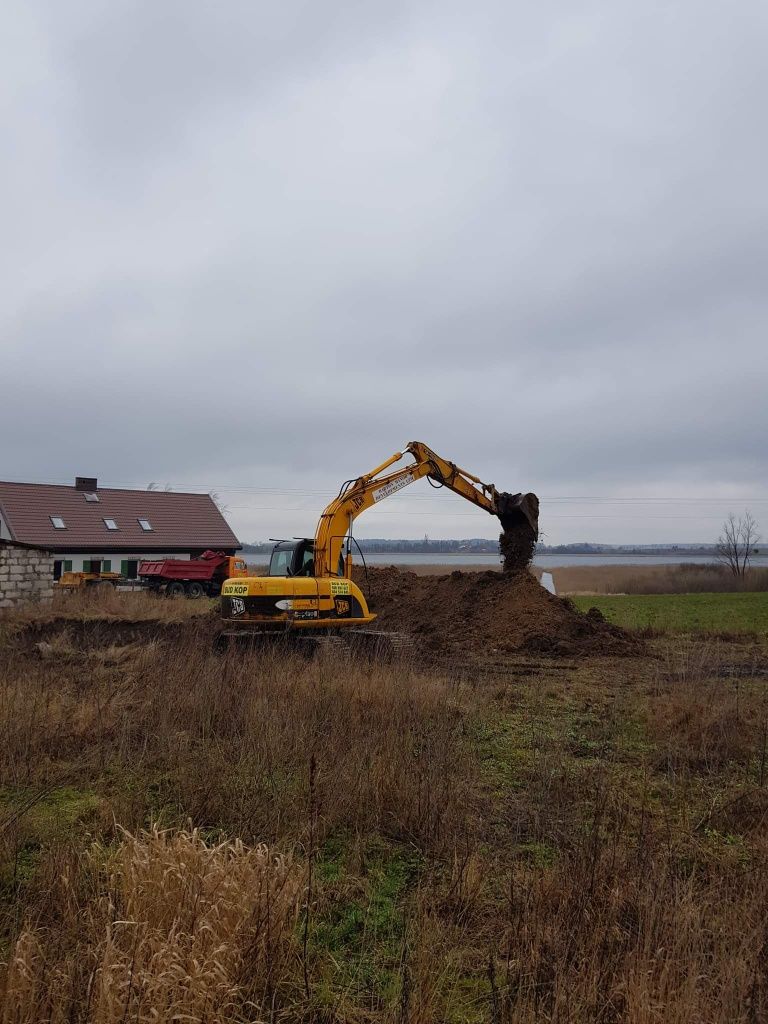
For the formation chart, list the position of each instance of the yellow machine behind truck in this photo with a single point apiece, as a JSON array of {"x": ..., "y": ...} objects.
[
  {"x": 75, "y": 580},
  {"x": 310, "y": 590}
]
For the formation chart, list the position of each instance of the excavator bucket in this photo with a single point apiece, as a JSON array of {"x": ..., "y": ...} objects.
[{"x": 519, "y": 515}]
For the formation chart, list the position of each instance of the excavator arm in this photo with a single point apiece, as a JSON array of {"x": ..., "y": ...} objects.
[{"x": 518, "y": 513}]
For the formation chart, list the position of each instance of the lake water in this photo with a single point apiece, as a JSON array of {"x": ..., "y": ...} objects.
[{"x": 543, "y": 561}]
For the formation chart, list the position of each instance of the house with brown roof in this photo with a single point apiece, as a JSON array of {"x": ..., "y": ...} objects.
[{"x": 108, "y": 529}]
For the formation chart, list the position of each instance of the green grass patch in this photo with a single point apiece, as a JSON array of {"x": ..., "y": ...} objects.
[
  {"x": 683, "y": 613},
  {"x": 50, "y": 815},
  {"x": 360, "y": 926},
  {"x": 38, "y": 821}
]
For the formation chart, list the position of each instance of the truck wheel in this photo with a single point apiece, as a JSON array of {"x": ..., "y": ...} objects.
[
  {"x": 175, "y": 589},
  {"x": 195, "y": 590}
]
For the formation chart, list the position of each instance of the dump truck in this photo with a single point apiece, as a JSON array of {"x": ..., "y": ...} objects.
[
  {"x": 309, "y": 588},
  {"x": 190, "y": 577}
]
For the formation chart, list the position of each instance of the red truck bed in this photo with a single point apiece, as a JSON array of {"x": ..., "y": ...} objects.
[{"x": 180, "y": 568}]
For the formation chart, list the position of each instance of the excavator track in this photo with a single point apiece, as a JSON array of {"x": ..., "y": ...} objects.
[
  {"x": 370, "y": 643},
  {"x": 380, "y": 644}
]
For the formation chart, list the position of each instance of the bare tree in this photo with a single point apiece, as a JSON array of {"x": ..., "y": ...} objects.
[
  {"x": 214, "y": 495},
  {"x": 737, "y": 543},
  {"x": 218, "y": 501}
]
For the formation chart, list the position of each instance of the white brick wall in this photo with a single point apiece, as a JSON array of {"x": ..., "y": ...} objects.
[{"x": 26, "y": 574}]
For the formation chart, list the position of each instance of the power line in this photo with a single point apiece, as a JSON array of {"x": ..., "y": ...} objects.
[{"x": 462, "y": 515}]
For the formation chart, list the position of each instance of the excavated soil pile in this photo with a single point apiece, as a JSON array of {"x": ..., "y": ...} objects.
[{"x": 478, "y": 613}]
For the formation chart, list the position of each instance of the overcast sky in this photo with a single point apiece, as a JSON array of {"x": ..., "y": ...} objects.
[{"x": 259, "y": 247}]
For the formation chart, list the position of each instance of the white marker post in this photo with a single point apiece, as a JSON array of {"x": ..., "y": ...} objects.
[{"x": 547, "y": 581}]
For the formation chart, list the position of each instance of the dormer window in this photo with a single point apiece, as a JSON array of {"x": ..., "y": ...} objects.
[
  {"x": 110, "y": 524},
  {"x": 58, "y": 523},
  {"x": 91, "y": 496},
  {"x": 145, "y": 525}
]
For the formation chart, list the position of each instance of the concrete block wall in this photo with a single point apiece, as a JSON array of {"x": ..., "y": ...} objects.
[{"x": 26, "y": 574}]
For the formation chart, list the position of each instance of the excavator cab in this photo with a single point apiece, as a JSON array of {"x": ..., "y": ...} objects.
[
  {"x": 296, "y": 558},
  {"x": 291, "y": 558}
]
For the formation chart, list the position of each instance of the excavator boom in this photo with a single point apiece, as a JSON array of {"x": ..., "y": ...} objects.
[{"x": 518, "y": 513}]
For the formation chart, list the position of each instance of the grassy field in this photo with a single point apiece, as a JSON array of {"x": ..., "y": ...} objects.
[
  {"x": 684, "y": 613},
  {"x": 251, "y": 839}
]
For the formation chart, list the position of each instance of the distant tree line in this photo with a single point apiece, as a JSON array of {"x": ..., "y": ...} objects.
[{"x": 482, "y": 545}]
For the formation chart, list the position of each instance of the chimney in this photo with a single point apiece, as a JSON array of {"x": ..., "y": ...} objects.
[{"x": 86, "y": 483}]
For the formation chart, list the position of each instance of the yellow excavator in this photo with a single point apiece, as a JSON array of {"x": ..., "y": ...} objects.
[{"x": 309, "y": 589}]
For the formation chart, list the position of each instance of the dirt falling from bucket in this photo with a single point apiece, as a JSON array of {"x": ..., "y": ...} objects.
[
  {"x": 517, "y": 546},
  {"x": 519, "y": 516}
]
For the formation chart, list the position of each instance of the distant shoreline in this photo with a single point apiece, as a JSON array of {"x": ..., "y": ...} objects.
[
  {"x": 543, "y": 563},
  {"x": 431, "y": 557}
]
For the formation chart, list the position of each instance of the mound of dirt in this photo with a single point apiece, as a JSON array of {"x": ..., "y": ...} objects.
[{"x": 476, "y": 613}]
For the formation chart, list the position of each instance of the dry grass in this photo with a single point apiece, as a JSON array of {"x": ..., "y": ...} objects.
[
  {"x": 558, "y": 842},
  {"x": 690, "y": 579},
  {"x": 164, "y": 928},
  {"x": 687, "y": 578},
  {"x": 104, "y": 603},
  {"x": 706, "y": 717},
  {"x": 233, "y": 737}
]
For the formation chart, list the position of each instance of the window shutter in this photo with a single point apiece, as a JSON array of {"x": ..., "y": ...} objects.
[
  {"x": 124, "y": 567},
  {"x": 106, "y": 565},
  {"x": 67, "y": 565},
  {"x": 86, "y": 565}
]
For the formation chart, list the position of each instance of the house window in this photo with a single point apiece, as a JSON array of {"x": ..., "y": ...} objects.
[
  {"x": 110, "y": 524},
  {"x": 128, "y": 568},
  {"x": 145, "y": 525},
  {"x": 58, "y": 523},
  {"x": 67, "y": 565},
  {"x": 90, "y": 496},
  {"x": 106, "y": 565}
]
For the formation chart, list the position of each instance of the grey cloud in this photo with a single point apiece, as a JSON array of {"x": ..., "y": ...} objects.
[
  {"x": 143, "y": 73},
  {"x": 264, "y": 246}
]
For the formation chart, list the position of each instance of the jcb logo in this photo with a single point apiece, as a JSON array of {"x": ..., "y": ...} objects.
[{"x": 342, "y": 606}]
